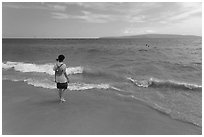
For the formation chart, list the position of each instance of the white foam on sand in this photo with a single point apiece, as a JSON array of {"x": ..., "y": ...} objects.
[{"x": 46, "y": 83}]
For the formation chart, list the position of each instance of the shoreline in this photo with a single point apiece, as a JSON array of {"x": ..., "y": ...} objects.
[{"x": 27, "y": 110}]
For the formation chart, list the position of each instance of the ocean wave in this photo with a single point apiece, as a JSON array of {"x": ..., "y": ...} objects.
[
  {"x": 157, "y": 83},
  {"x": 48, "y": 84},
  {"x": 84, "y": 86},
  {"x": 39, "y": 68},
  {"x": 48, "y": 69}
]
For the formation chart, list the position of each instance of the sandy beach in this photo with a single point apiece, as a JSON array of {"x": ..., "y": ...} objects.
[
  {"x": 27, "y": 110},
  {"x": 134, "y": 68}
]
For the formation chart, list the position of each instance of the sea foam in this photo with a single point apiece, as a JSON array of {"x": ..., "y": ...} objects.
[
  {"x": 47, "y": 84},
  {"x": 158, "y": 83},
  {"x": 40, "y": 68}
]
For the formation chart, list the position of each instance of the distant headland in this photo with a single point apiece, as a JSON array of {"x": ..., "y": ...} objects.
[{"x": 153, "y": 36}]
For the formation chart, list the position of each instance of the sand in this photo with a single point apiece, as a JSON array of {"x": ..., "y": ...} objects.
[{"x": 27, "y": 110}]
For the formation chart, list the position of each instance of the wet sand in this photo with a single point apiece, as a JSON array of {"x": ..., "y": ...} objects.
[{"x": 27, "y": 110}]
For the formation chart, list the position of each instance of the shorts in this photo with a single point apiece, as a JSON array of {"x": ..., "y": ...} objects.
[{"x": 62, "y": 85}]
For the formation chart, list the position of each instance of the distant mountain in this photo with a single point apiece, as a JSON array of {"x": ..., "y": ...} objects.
[{"x": 156, "y": 36}]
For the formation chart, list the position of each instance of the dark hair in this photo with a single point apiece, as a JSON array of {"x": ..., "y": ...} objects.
[{"x": 60, "y": 58}]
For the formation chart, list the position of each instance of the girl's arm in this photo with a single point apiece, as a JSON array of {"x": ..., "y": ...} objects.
[
  {"x": 55, "y": 78},
  {"x": 54, "y": 68},
  {"x": 66, "y": 76}
]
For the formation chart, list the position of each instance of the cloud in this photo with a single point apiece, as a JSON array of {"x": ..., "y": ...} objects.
[
  {"x": 17, "y": 5},
  {"x": 10, "y": 5},
  {"x": 185, "y": 15},
  {"x": 119, "y": 7},
  {"x": 191, "y": 5},
  {"x": 86, "y": 16},
  {"x": 57, "y": 7},
  {"x": 35, "y": 5},
  {"x": 96, "y": 18},
  {"x": 163, "y": 22},
  {"x": 137, "y": 30},
  {"x": 150, "y": 31},
  {"x": 129, "y": 12},
  {"x": 58, "y": 15},
  {"x": 140, "y": 12},
  {"x": 135, "y": 19},
  {"x": 95, "y": 5},
  {"x": 174, "y": 12}
]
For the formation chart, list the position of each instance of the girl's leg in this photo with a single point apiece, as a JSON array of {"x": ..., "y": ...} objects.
[{"x": 61, "y": 92}]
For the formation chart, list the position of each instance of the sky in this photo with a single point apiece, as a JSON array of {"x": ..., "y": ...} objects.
[{"x": 99, "y": 19}]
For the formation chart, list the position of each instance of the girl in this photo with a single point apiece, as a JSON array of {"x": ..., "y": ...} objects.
[{"x": 61, "y": 77}]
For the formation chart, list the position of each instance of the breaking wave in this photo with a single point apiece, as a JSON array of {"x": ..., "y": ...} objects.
[
  {"x": 46, "y": 83},
  {"x": 40, "y": 68},
  {"x": 157, "y": 83}
]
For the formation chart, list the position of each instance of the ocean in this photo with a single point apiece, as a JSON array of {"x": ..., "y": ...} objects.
[{"x": 163, "y": 73}]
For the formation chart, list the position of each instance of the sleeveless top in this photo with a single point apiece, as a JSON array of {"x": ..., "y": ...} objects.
[{"x": 62, "y": 78}]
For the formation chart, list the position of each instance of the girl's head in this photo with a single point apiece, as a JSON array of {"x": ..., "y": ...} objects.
[{"x": 60, "y": 58}]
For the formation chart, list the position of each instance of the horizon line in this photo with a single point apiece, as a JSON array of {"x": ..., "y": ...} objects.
[{"x": 95, "y": 37}]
